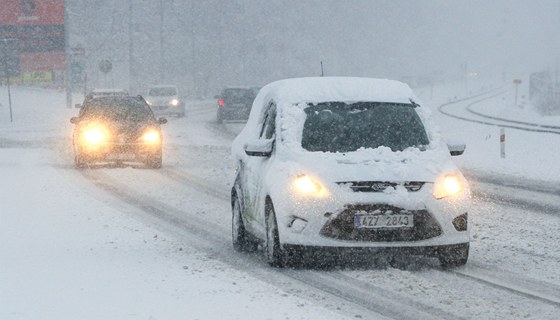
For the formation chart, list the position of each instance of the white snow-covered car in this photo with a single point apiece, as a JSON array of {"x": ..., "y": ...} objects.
[
  {"x": 337, "y": 163},
  {"x": 165, "y": 99}
]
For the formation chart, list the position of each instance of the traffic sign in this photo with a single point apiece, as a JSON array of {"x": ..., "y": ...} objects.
[{"x": 105, "y": 66}]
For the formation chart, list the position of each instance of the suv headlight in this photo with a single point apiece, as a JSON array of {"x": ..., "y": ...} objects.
[
  {"x": 448, "y": 185},
  {"x": 151, "y": 136},
  {"x": 306, "y": 185},
  {"x": 94, "y": 135}
]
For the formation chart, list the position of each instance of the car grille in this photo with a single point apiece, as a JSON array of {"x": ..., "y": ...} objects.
[
  {"x": 380, "y": 186},
  {"x": 342, "y": 226}
]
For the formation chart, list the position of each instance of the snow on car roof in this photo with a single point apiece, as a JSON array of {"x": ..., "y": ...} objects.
[
  {"x": 323, "y": 89},
  {"x": 292, "y": 92}
]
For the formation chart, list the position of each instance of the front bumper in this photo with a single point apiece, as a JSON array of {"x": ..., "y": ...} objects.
[
  {"x": 116, "y": 152},
  {"x": 330, "y": 222},
  {"x": 314, "y": 253}
]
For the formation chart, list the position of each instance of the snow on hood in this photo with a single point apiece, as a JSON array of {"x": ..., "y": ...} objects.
[{"x": 380, "y": 164}]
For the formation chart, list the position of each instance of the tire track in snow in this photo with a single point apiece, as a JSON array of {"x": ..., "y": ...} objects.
[
  {"x": 346, "y": 291},
  {"x": 541, "y": 291},
  {"x": 536, "y": 290}
]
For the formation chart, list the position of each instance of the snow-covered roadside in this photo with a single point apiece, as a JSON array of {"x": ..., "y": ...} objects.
[
  {"x": 529, "y": 155},
  {"x": 66, "y": 255}
]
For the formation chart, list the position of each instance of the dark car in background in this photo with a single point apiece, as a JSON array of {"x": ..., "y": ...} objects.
[
  {"x": 117, "y": 129},
  {"x": 234, "y": 103}
]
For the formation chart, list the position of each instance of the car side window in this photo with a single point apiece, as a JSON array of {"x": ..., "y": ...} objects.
[{"x": 269, "y": 125}]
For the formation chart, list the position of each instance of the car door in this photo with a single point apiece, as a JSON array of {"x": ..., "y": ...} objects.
[{"x": 255, "y": 169}]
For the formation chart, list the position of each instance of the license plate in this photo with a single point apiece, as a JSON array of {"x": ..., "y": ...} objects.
[
  {"x": 379, "y": 221},
  {"x": 121, "y": 156}
]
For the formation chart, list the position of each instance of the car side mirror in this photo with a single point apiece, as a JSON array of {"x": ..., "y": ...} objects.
[
  {"x": 259, "y": 148},
  {"x": 78, "y": 106},
  {"x": 74, "y": 120},
  {"x": 162, "y": 120},
  {"x": 456, "y": 148}
]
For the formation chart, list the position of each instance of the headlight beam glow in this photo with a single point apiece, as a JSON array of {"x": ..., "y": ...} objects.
[
  {"x": 94, "y": 136},
  {"x": 151, "y": 136},
  {"x": 447, "y": 185},
  {"x": 306, "y": 185}
]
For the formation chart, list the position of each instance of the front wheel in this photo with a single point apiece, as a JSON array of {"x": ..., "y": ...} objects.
[
  {"x": 181, "y": 114},
  {"x": 275, "y": 256},
  {"x": 239, "y": 235},
  {"x": 154, "y": 161},
  {"x": 454, "y": 255},
  {"x": 79, "y": 161}
]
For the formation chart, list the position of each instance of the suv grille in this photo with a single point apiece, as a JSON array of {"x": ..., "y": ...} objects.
[
  {"x": 380, "y": 186},
  {"x": 342, "y": 226}
]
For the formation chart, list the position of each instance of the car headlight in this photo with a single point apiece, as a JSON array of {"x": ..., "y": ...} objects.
[
  {"x": 448, "y": 185},
  {"x": 151, "y": 136},
  {"x": 175, "y": 102},
  {"x": 306, "y": 185},
  {"x": 94, "y": 135}
]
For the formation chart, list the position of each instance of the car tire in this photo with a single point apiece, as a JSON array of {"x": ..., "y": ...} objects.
[
  {"x": 240, "y": 238},
  {"x": 453, "y": 256},
  {"x": 181, "y": 114},
  {"x": 154, "y": 161},
  {"x": 275, "y": 256},
  {"x": 79, "y": 161}
]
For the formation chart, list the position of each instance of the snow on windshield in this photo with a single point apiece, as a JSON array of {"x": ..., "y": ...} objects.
[{"x": 341, "y": 127}]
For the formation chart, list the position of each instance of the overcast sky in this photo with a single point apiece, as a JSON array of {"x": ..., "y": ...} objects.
[{"x": 212, "y": 43}]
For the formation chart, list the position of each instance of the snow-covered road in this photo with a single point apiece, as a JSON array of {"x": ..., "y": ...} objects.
[{"x": 133, "y": 243}]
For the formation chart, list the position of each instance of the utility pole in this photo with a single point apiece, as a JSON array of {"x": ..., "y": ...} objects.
[
  {"x": 161, "y": 49},
  {"x": 131, "y": 73},
  {"x": 67, "y": 81}
]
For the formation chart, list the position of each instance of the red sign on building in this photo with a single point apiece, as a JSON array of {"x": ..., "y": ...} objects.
[
  {"x": 38, "y": 28},
  {"x": 32, "y": 12}
]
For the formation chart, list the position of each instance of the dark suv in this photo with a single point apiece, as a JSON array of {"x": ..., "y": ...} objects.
[
  {"x": 117, "y": 129},
  {"x": 234, "y": 103}
]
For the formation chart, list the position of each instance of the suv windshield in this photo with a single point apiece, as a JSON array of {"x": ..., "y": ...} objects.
[
  {"x": 239, "y": 95},
  {"x": 163, "y": 91},
  {"x": 130, "y": 109},
  {"x": 341, "y": 127}
]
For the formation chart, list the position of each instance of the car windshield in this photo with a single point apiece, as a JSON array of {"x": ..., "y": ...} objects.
[
  {"x": 163, "y": 91},
  {"x": 342, "y": 127},
  {"x": 117, "y": 109},
  {"x": 239, "y": 95}
]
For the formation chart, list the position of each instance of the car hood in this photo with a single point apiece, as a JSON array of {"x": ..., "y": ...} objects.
[
  {"x": 380, "y": 164},
  {"x": 160, "y": 99}
]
